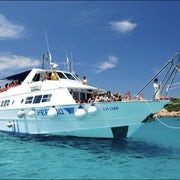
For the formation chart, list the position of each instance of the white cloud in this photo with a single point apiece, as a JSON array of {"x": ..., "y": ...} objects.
[
  {"x": 111, "y": 62},
  {"x": 15, "y": 62},
  {"x": 9, "y": 30},
  {"x": 122, "y": 26}
]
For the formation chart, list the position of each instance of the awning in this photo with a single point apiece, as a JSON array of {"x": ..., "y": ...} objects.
[{"x": 20, "y": 76}]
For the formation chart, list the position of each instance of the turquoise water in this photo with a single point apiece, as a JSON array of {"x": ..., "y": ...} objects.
[{"x": 153, "y": 152}]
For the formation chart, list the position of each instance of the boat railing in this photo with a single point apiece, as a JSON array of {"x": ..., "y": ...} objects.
[{"x": 169, "y": 70}]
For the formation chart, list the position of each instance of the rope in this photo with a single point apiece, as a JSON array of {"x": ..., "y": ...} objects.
[{"x": 164, "y": 124}]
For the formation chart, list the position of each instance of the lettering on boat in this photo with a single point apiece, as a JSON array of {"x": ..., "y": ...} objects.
[
  {"x": 43, "y": 112},
  {"x": 113, "y": 108}
]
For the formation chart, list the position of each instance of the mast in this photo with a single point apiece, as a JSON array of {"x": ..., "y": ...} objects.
[
  {"x": 48, "y": 56},
  {"x": 68, "y": 63}
]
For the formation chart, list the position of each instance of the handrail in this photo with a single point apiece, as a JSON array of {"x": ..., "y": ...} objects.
[
  {"x": 169, "y": 75},
  {"x": 165, "y": 65}
]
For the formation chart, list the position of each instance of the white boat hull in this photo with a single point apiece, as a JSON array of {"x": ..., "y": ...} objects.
[{"x": 106, "y": 120}]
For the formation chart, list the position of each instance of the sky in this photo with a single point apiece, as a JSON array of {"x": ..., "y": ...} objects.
[{"x": 117, "y": 45}]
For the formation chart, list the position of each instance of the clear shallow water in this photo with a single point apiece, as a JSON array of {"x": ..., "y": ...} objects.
[{"x": 153, "y": 152}]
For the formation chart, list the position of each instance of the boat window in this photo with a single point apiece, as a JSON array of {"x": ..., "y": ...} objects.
[
  {"x": 61, "y": 75},
  {"x": 2, "y": 103},
  {"x": 36, "y": 77},
  {"x": 46, "y": 98},
  {"x": 70, "y": 76},
  {"x": 37, "y": 99},
  {"x": 5, "y": 103},
  {"x": 29, "y": 100},
  {"x": 76, "y": 95},
  {"x": 12, "y": 102},
  {"x": 82, "y": 96}
]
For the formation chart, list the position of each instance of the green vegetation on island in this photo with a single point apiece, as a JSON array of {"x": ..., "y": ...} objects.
[
  {"x": 175, "y": 106},
  {"x": 170, "y": 110}
]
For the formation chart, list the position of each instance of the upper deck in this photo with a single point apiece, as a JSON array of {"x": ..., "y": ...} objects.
[{"x": 63, "y": 87}]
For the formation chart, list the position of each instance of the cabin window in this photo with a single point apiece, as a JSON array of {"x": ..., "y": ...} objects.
[
  {"x": 29, "y": 100},
  {"x": 61, "y": 75},
  {"x": 82, "y": 96},
  {"x": 36, "y": 77},
  {"x": 2, "y": 103},
  {"x": 5, "y": 103},
  {"x": 70, "y": 76},
  {"x": 75, "y": 95},
  {"x": 37, "y": 99},
  {"x": 46, "y": 98}
]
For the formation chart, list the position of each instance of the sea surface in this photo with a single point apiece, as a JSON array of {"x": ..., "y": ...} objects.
[{"x": 153, "y": 152}]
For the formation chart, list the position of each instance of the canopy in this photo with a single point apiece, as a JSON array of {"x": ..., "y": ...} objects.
[{"x": 20, "y": 76}]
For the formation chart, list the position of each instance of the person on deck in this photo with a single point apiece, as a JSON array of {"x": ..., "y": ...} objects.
[
  {"x": 84, "y": 80},
  {"x": 157, "y": 90},
  {"x": 54, "y": 76},
  {"x": 47, "y": 76}
]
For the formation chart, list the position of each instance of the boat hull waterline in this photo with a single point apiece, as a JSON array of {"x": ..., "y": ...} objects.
[{"x": 97, "y": 120}]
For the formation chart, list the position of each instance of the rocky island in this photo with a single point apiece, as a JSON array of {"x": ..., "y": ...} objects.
[{"x": 170, "y": 110}]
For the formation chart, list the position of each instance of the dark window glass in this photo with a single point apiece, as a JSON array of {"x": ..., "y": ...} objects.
[
  {"x": 69, "y": 76},
  {"x": 61, "y": 75},
  {"x": 29, "y": 100},
  {"x": 37, "y": 99},
  {"x": 2, "y": 103},
  {"x": 36, "y": 77},
  {"x": 7, "y": 103},
  {"x": 46, "y": 98}
]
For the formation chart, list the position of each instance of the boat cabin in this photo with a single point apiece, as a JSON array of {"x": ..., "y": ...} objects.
[{"x": 40, "y": 81}]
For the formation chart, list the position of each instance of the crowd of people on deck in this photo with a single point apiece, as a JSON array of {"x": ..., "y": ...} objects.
[
  {"x": 10, "y": 85},
  {"x": 109, "y": 97}
]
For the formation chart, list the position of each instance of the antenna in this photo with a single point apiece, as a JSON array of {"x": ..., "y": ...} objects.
[
  {"x": 72, "y": 63},
  {"x": 68, "y": 63},
  {"x": 47, "y": 42},
  {"x": 48, "y": 54}
]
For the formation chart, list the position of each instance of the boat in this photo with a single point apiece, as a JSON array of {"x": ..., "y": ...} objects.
[{"x": 49, "y": 101}]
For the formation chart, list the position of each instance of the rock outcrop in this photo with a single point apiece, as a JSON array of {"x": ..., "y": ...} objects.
[{"x": 166, "y": 113}]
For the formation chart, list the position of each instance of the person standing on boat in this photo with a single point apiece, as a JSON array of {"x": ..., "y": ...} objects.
[
  {"x": 157, "y": 89},
  {"x": 84, "y": 80},
  {"x": 47, "y": 76},
  {"x": 54, "y": 76}
]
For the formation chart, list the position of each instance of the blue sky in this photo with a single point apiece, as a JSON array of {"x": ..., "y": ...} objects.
[{"x": 118, "y": 45}]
